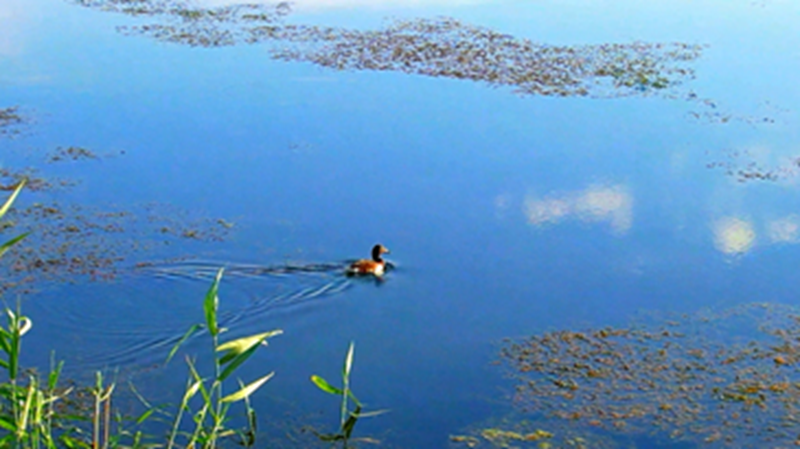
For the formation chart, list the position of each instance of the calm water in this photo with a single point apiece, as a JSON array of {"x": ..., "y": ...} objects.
[{"x": 507, "y": 214}]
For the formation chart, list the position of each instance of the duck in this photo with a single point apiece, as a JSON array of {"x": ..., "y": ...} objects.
[{"x": 376, "y": 266}]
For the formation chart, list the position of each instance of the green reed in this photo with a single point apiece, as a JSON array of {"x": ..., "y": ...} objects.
[
  {"x": 26, "y": 409},
  {"x": 28, "y": 412},
  {"x": 347, "y": 418},
  {"x": 211, "y": 414}
]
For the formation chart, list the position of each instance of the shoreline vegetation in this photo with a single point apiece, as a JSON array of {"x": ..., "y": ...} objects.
[{"x": 38, "y": 412}]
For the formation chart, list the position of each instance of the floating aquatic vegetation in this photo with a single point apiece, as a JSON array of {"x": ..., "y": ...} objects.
[
  {"x": 11, "y": 121},
  {"x": 711, "y": 112},
  {"x": 452, "y": 49},
  {"x": 9, "y": 178},
  {"x": 728, "y": 378},
  {"x": 69, "y": 241},
  {"x": 71, "y": 154},
  {"x": 441, "y": 47},
  {"x": 517, "y": 432},
  {"x": 742, "y": 166}
]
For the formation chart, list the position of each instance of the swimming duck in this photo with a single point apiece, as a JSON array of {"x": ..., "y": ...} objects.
[{"x": 376, "y": 266}]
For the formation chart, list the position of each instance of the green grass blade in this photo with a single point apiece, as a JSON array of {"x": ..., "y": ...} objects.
[
  {"x": 211, "y": 304},
  {"x": 7, "y": 245},
  {"x": 191, "y": 391},
  {"x": 183, "y": 339},
  {"x": 241, "y": 345},
  {"x": 52, "y": 379},
  {"x": 347, "y": 428},
  {"x": 7, "y": 423},
  {"x": 247, "y": 390},
  {"x": 235, "y": 362},
  {"x": 348, "y": 361},
  {"x": 353, "y": 397},
  {"x": 10, "y": 200},
  {"x": 143, "y": 417},
  {"x": 323, "y": 385},
  {"x": 371, "y": 414}
]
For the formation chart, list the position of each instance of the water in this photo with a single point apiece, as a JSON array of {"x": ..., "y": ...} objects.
[{"x": 507, "y": 214}]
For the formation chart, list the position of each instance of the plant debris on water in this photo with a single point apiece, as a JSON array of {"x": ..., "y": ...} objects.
[
  {"x": 11, "y": 121},
  {"x": 446, "y": 48},
  {"x": 727, "y": 378},
  {"x": 67, "y": 239},
  {"x": 743, "y": 167},
  {"x": 442, "y": 47}
]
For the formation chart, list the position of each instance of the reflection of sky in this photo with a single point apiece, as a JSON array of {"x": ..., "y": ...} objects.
[
  {"x": 733, "y": 235},
  {"x": 10, "y": 23},
  {"x": 318, "y": 165},
  {"x": 335, "y": 4},
  {"x": 605, "y": 204}
]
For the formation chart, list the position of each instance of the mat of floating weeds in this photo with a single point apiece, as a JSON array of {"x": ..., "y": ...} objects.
[
  {"x": 67, "y": 240},
  {"x": 12, "y": 121},
  {"x": 728, "y": 377},
  {"x": 447, "y": 48},
  {"x": 442, "y": 47}
]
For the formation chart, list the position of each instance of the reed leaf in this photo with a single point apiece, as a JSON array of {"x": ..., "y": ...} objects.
[
  {"x": 347, "y": 428},
  {"x": 52, "y": 379},
  {"x": 10, "y": 200},
  {"x": 247, "y": 390},
  {"x": 191, "y": 391},
  {"x": 348, "y": 361},
  {"x": 211, "y": 304},
  {"x": 371, "y": 414},
  {"x": 7, "y": 423},
  {"x": 241, "y": 345},
  {"x": 235, "y": 362},
  {"x": 192, "y": 330},
  {"x": 323, "y": 385},
  {"x": 7, "y": 245}
]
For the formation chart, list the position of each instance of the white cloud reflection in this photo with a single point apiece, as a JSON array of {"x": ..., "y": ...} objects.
[
  {"x": 784, "y": 230},
  {"x": 733, "y": 235},
  {"x": 10, "y": 12},
  {"x": 596, "y": 204},
  {"x": 736, "y": 236}
]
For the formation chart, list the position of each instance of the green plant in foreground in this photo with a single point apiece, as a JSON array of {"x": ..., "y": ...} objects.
[
  {"x": 4, "y": 209},
  {"x": 28, "y": 414},
  {"x": 26, "y": 411},
  {"x": 347, "y": 418},
  {"x": 211, "y": 416}
]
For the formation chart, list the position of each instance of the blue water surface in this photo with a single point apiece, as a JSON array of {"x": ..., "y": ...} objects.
[{"x": 507, "y": 215}]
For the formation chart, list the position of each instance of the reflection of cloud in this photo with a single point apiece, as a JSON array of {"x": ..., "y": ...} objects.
[
  {"x": 612, "y": 204},
  {"x": 501, "y": 204},
  {"x": 784, "y": 230},
  {"x": 9, "y": 27},
  {"x": 12, "y": 21},
  {"x": 733, "y": 235}
]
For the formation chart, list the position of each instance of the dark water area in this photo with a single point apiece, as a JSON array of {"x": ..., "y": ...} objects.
[{"x": 532, "y": 166}]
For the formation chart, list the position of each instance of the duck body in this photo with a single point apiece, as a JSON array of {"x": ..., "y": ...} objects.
[{"x": 375, "y": 266}]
